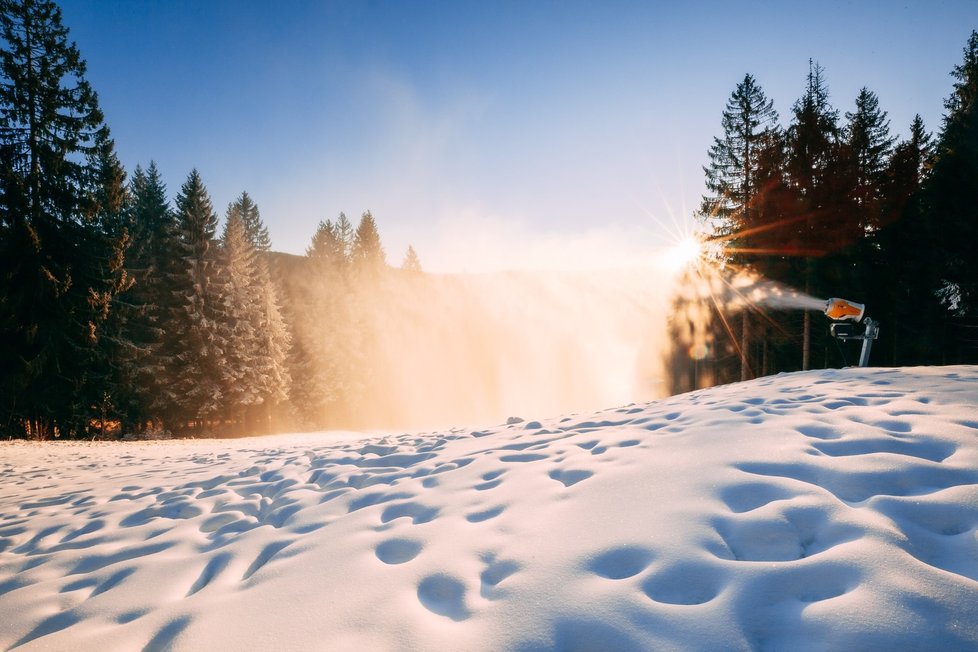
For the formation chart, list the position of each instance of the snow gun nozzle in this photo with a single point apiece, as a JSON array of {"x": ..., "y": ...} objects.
[{"x": 842, "y": 310}]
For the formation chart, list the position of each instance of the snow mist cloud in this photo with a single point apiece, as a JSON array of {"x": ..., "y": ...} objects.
[
  {"x": 429, "y": 349},
  {"x": 479, "y": 348}
]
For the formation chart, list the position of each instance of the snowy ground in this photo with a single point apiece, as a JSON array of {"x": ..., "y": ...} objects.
[{"x": 825, "y": 510}]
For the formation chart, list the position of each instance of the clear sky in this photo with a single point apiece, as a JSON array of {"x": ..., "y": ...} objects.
[{"x": 551, "y": 128}]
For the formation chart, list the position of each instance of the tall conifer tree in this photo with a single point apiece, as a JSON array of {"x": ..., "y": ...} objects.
[
  {"x": 367, "y": 253},
  {"x": 240, "y": 318},
  {"x": 908, "y": 278},
  {"x": 812, "y": 148},
  {"x": 58, "y": 271},
  {"x": 733, "y": 179},
  {"x": 257, "y": 370},
  {"x": 951, "y": 191},
  {"x": 153, "y": 262},
  {"x": 411, "y": 262},
  {"x": 867, "y": 148},
  {"x": 196, "y": 337}
]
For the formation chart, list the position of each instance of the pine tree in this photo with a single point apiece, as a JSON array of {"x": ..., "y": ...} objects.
[
  {"x": 812, "y": 152},
  {"x": 732, "y": 177},
  {"x": 906, "y": 278},
  {"x": 951, "y": 192},
  {"x": 240, "y": 317},
  {"x": 411, "y": 262},
  {"x": 254, "y": 228},
  {"x": 263, "y": 341},
  {"x": 153, "y": 260},
  {"x": 328, "y": 250},
  {"x": 60, "y": 266},
  {"x": 367, "y": 253},
  {"x": 345, "y": 235},
  {"x": 867, "y": 149},
  {"x": 321, "y": 363},
  {"x": 113, "y": 389},
  {"x": 864, "y": 152},
  {"x": 195, "y": 338},
  {"x": 732, "y": 174},
  {"x": 812, "y": 139}
]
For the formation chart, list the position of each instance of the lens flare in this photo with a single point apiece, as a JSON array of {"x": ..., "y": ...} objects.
[{"x": 684, "y": 252}]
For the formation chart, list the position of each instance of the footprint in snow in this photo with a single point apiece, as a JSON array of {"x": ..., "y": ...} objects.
[
  {"x": 569, "y": 477},
  {"x": 486, "y": 514},
  {"x": 923, "y": 448},
  {"x": 417, "y": 512},
  {"x": 748, "y": 496},
  {"x": 398, "y": 551},
  {"x": 495, "y": 572},
  {"x": 621, "y": 562},
  {"x": 798, "y": 533},
  {"x": 444, "y": 595},
  {"x": 685, "y": 583}
]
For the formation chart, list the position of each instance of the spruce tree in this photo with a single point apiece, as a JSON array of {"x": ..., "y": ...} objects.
[
  {"x": 867, "y": 148},
  {"x": 113, "y": 389},
  {"x": 195, "y": 338},
  {"x": 254, "y": 228},
  {"x": 262, "y": 341},
  {"x": 749, "y": 123},
  {"x": 345, "y": 235},
  {"x": 367, "y": 253},
  {"x": 812, "y": 153},
  {"x": 864, "y": 154},
  {"x": 951, "y": 191},
  {"x": 327, "y": 249},
  {"x": 322, "y": 359},
  {"x": 240, "y": 318},
  {"x": 411, "y": 262},
  {"x": 907, "y": 278},
  {"x": 152, "y": 262},
  {"x": 60, "y": 266}
]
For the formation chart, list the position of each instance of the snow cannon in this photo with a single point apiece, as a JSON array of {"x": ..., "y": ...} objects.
[{"x": 842, "y": 310}]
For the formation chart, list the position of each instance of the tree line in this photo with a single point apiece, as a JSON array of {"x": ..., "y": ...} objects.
[
  {"x": 835, "y": 205},
  {"x": 120, "y": 313}
]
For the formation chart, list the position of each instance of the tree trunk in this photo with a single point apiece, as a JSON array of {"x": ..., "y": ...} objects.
[
  {"x": 765, "y": 371},
  {"x": 806, "y": 343},
  {"x": 744, "y": 343}
]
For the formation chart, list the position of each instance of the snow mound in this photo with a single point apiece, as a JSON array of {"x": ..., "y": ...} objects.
[{"x": 822, "y": 510}]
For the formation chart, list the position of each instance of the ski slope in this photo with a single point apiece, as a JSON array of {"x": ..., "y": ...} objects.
[{"x": 814, "y": 511}]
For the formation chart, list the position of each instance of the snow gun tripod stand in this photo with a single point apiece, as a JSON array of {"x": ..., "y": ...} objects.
[{"x": 846, "y": 316}]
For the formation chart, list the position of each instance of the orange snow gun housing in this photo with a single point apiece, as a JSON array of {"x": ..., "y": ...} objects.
[{"x": 842, "y": 310}]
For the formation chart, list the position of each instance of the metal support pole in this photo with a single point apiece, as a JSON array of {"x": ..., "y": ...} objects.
[{"x": 872, "y": 332}]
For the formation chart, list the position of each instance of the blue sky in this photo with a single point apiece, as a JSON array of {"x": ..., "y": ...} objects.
[{"x": 544, "y": 128}]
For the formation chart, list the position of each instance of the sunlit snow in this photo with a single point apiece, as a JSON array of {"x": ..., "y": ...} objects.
[{"x": 824, "y": 510}]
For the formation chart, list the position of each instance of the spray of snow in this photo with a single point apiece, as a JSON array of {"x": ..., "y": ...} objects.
[{"x": 759, "y": 291}]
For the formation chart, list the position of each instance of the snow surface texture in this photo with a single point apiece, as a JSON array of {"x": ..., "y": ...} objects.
[{"x": 823, "y": 510}]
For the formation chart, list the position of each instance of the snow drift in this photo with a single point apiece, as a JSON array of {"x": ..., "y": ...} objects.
[{"x": 821, "y": 510}]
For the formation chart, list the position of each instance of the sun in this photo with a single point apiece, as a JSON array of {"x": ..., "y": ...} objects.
[{"x": 685, "y": 251}]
